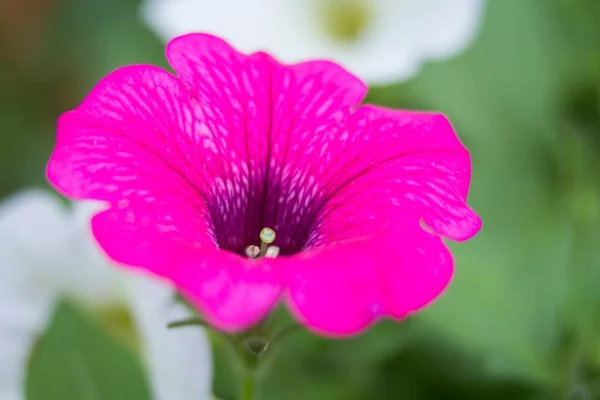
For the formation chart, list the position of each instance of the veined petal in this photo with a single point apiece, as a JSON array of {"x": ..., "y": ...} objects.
[
  {"x": 340, "y": 290},
  {"x": 235, "y": 92},
  {"x": 260, "y": 111},
  {"x": 279, "y": 121},
  {"x": 233, "y": 293},
  {"x": 334, "y": 291},
  {"x": 392, "y": 166},
  {"x": 125, "y": 143},
  {"x": 179, "y": 361},
  {"x": 415, "y": 272},
  {"x": 368, "y": 255},
  {"x": 313, "y": 101}
]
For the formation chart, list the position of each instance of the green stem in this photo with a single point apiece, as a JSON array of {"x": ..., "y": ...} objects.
[
  {"x": 188, "y": 322},
  {"x": 248, "y": 365},
  {"x": 248, "y": 387}
]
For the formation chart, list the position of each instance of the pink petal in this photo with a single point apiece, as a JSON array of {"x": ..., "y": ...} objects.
[
  {"x": 140, "y": 237},
  {"x": 227, "y": 78},
  {"x": 368, "y": 255},
  {"x": 313, "y": 99},
  {"x": 415, "y": 272},
  {"x": 333, "y": 290},
  {"x": 232, "y": 292},
  {"x": 123, "y": 146},
  {"x": 276, "y": 126},
  {"x": 233, "y": 91},
  {"x": 339, "y": 290},
  {"x": 392, "y": 167},
  {"x": 137, "y": 143}
]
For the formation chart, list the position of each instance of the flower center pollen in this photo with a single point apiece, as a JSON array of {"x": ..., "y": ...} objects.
[{"x": 345, "y": 20}]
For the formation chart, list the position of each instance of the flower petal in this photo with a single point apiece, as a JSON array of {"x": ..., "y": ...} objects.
[
  {"x": 179, "y": 360},
  {"x": 390, "y": 167},
  {"x": 30, "y": 239},
  {"x": 170, "y": 19},
  {"x": 33, "y": 219},
  {"x": 340, "y": 290},
  {"x": 385, "y": 173},
  {"x": 87, "y": 276},
  {"x": 450, "y": 26},
  {"x": 23, "y": 317},
  {"x": 234, "y": 92},
  {"x": 416, "y": 267},
  {"x": 274, "y": 122},
  {"x": 405, "y": 34},
  {"x": 233, "y": 293},
  {"x": 124, "y": 145},
  {"x": 314, "y": 99},
  {"x": 333, "y": 290},
  {"x": 398, "y": 37},
  {"x": 227, "y": 79},
  {"x": 169, "y": 160}
]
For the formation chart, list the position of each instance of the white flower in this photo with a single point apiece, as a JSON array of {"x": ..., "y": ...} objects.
[
  {"x": 46, "y": 251},
  {"x": 381, "y": 41}
]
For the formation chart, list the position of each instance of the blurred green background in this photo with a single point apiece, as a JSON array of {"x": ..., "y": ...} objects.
[{"x": 522, "y": 317}]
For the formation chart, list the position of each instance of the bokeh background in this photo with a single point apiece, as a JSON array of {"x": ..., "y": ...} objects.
[{"x": 521, "y": 319}]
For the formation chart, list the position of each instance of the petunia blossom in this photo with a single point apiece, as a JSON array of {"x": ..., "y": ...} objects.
[
  {"x": 382, "y": 41},
  {"x": 46, "y": 252},
  {"x": 193, "y": 167}
]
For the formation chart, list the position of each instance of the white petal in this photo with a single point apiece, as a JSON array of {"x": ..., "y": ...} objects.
[
  {"x": 172, "y": 18},
  {"x": 451, "y": 28},
  {"x": 30, "y": 218},
  {"x": 89, "y": 276},
  {"x": 53, "y": 250},
  {"x": 402, "y": 35},
  {"x": 179, "y": 360},
  {"x": 33, "y": 220},
  {"x": 17, "y": 337},
  {"x": 31, "y": 237},
  {"x": 46, "y": 250},
  {"x": 10, "y": 395}
]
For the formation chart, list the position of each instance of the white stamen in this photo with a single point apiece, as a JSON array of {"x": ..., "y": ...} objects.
[
  {"x": 252, "y": 251},
  {"x": 272, "y": 252}
]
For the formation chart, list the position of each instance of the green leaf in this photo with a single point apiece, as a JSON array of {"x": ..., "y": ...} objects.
[{"x": 77, "y": 360}]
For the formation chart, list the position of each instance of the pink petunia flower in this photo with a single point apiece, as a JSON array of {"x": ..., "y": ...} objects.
[{"x": 194, "y": 166}]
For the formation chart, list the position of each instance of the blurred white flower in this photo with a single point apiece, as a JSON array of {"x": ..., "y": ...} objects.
[
  {"x": 46, "y": 251},
  {"x": 381, "y": 41}
]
